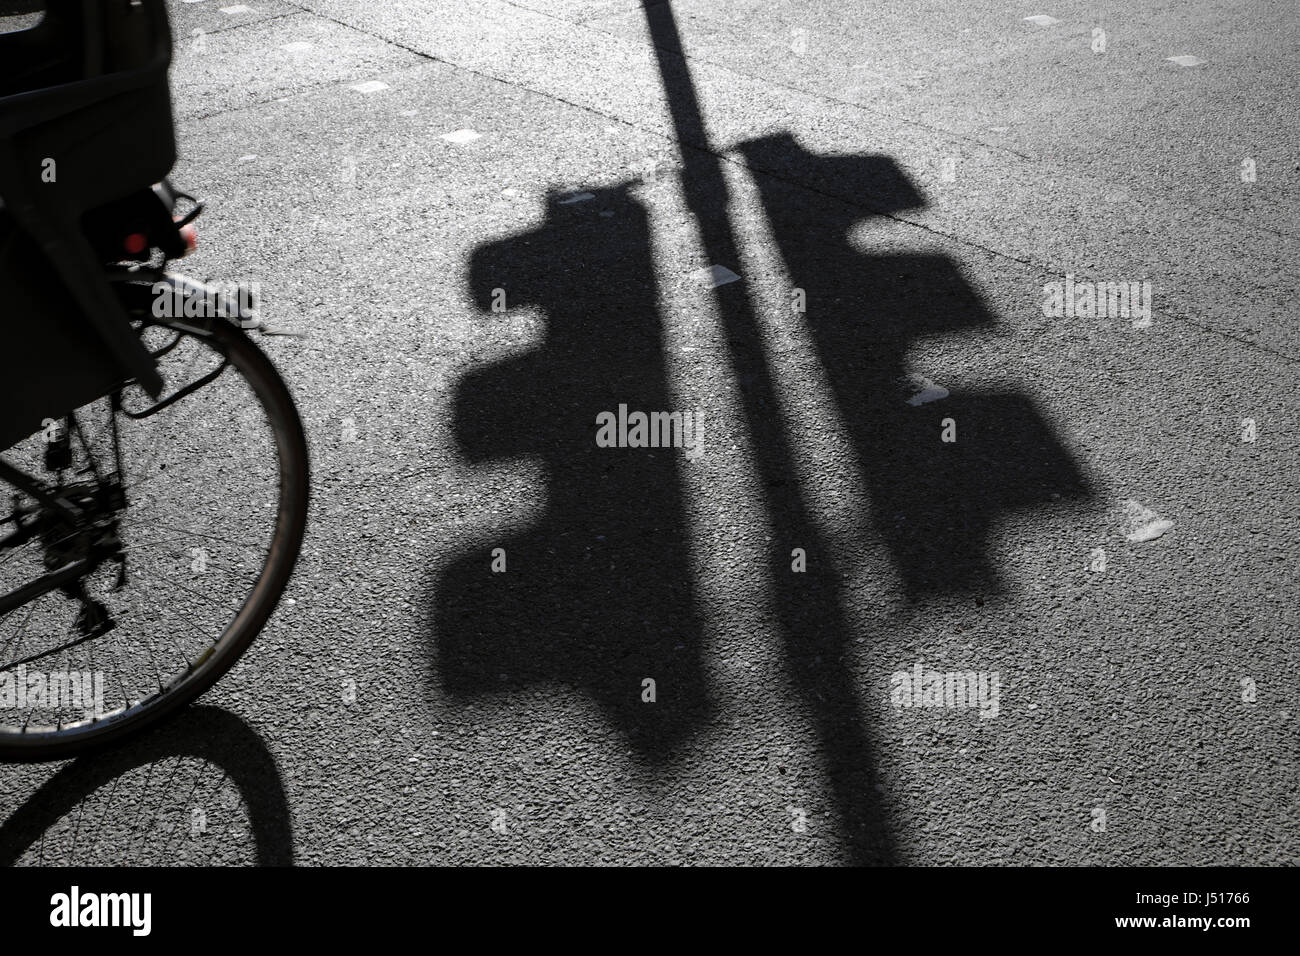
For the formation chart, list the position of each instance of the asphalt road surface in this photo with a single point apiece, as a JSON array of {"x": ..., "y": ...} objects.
[{"x": 858, "y": 242}]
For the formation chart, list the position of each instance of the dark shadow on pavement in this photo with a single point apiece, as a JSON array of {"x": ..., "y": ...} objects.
[
  {"x": 597, "y": 595},
  {"x": 209, "y": 734},
  {"x": 812, "y": 618},
  {"x": 934, "y": 503}
]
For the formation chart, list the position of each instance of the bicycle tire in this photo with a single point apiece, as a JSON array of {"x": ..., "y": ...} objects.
[{"x": 291, "y": 520}]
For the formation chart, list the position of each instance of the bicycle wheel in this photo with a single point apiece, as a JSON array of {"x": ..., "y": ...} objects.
[{"x": 191, "y": 515}]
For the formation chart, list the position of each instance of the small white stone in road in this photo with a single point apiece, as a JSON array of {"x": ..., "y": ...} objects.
[
  {"x": 1150, "y": 531},
  {"x": 1185, "y": 60},
  {"x": 297, "y": 46},
  {"x": 577, "y": 197},
  {"x": 191, "y": 1},
  {"x": 1042, "y": 20},
  {"x": 237, "y": 8},
  {"x": 511, "y": 193},
  {"x": 923, "y": 390},
  {"x": 461, "y": 136},
  {"x": 715, "y": 276},
  {"x": 1140, "y": 523},
  {"x": 370, "y": 86},
  {"x": 408, "y": 112},
  {"x": 247, "y": 159}
]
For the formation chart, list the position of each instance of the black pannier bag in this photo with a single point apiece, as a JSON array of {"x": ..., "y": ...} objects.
[{"x": 85, "y": 120}]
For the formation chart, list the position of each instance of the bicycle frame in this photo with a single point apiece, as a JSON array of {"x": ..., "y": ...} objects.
[
  {"x": 140, "y": 289},
  {"x": 57, "y": 578}
]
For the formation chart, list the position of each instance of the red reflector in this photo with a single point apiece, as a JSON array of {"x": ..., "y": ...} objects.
[
  {"x": 136, "y": 242},
  {"x": 191, "y": 237}
]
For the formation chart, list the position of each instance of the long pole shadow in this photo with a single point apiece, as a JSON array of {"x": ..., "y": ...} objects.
[{"x": 812, "y": 616}]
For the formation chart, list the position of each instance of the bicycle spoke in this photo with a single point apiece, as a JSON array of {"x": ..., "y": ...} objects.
[
  {"x": 31, "y": 606},
  {"x": 57, "y": 541},
  {"x": 54, "y": 650},
  {"x": 200, "y": 534},
  {"x": 157, "y": 448},
  {"x": 170, "y": 636},
  {"x": 205, "y": 477},
  {"x": 144, "y": 790},
  {"x": 19, "y": 634},
  {"x": 188, "y": 800},
  {"x": 166, "y": 789}
]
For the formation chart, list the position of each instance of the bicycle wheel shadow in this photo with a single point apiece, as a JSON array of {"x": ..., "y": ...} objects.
[
  {"x": 597, "y": 594},
  {"x": 208, "y": 734}
]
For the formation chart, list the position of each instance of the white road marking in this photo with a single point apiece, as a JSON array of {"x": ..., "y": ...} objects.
[
  {"x": 715, "y": 276},
  {"x": 1140, "y": 523},
  {"x": 461, "y": 136},
  {"x": 923, "y": 390}
]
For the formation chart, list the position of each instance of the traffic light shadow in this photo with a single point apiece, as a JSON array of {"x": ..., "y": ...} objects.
[{"x": 597, "y": 595}]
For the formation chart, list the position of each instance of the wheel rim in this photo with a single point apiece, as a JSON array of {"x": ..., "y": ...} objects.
[{"x": 207, "y": 491}]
